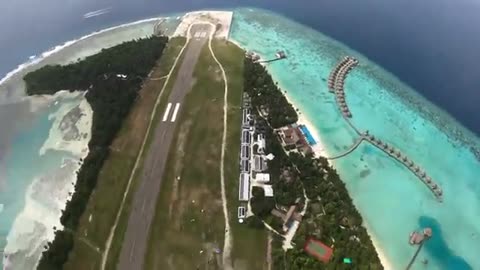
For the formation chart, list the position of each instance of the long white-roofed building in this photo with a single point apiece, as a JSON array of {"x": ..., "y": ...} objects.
[{"x": 244, "y": 187}]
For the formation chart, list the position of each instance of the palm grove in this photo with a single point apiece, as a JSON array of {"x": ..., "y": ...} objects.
[
  {"x": 330, "y": 217},
  {"x": 112, "y": 79}
]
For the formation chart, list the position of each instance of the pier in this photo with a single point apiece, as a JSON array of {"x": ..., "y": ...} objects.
[
  {"x": 336, "y": 82},
  {"x": 409, "y": 164},
  {"x": 419, "y": 239},
  {"x": 336, "y": 86},
  {"x": 349, "y": 150},
  {"x": 278, "y": 56}
]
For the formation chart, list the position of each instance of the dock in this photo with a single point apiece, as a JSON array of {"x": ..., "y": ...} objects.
[
  {"x": 336, "y": 85},
  {"x": 278, "y": 56},
  {"x": 419, "y": 239},
  {"x": 336, "y": 82},
  {"x": 409, "y": 164}
]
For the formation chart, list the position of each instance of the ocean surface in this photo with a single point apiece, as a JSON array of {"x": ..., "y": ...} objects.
[
  {"x": 391, "y": 199},
  {"x": 432, "y": 45},
  {"x": 434, "y": 53}
]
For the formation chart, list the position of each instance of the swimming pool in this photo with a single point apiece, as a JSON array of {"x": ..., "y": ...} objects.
[{"x": 307, "y": 134}]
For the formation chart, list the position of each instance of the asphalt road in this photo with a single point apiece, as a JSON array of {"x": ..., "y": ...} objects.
[{"x": 134, "y": 247}]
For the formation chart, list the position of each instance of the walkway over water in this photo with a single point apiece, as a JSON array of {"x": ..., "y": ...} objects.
[
  {"x": 414, "y": 256},
  {"x": 337, "y": 80},
  {"x": 349, "y": 150},
  {"x": 335, "y": 85}
]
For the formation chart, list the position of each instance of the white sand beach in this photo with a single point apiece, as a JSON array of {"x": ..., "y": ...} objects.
[
  {"x": 223, "y": 18},
  {"x": 320, "y": 150},
  {"x": 33, "y": 228},
  {"x": 71, "y": 130}
]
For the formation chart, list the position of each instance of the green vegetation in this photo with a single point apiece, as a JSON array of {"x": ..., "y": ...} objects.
[
  {"x": 103, "y": 206},
  {"x": 111, "y": 98},
  {"x": 267, "y": 97},
  {"x": 166, "y": 63},
  {"x": 189, "y": 215},
  {"x": 331, "y": 216},
  {"x": 244, "y": 238}
]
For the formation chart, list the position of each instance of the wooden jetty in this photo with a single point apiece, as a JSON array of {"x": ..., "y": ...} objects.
[
  {"x": 336, "y": 86},
  {"x": 400, "y": 157},
  {"x": 419, "y": 239},
  {"x": 336, "y": 82}
]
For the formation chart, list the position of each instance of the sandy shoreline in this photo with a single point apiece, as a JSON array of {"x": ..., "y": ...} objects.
[
  {"x": 70, "y": 134},
  {"x": 223, "y": 18},
  {"x": 319, "y": 149}
]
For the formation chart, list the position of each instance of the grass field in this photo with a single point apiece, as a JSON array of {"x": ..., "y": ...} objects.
[
  {"x": 189, "y": 224},
  {"x": 249, "y": 245},
  {"x": 103, "y": 205}
]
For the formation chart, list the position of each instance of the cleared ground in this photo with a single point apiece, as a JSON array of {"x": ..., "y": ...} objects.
[
  {"x": 188, "y": 226},
  {"x": 134, "y": 244},
  {"x": 249, "y": 245},
  {"x": 104, "y": 203}
]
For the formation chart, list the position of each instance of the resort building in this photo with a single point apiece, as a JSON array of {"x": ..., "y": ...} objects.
[
  {"x": 246, "y": 118},
  {"x": 245, "y": 152},
  {"x": 246, "y": 137},
  {"x": 259, "y": 164},
  {"x": 244, "y": 187},
  {"x": 262, "y": 177},
  {"x": 268, "y": 190},
  {"x": 242, "y": 212},
  {"x": 296, "y": 137},
  {"x": 245, "y": 166}
]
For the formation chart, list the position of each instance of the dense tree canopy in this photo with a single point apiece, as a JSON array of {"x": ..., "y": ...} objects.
[
  {"x": 113, "y": 78},
  {"x": 331, "y": 216},
  {"x": 266, "y": 95}
]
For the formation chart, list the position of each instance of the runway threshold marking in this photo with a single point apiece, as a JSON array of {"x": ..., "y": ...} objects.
[
  {"x": 175, "y": 111},
  {"x": 132, "y": 248},
  {"x": 167, "y": 111}
]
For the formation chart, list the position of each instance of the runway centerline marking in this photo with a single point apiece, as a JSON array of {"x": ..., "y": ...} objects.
[
  {"x": 167, "y": 111},
  {"x": 175, "y": 111}
]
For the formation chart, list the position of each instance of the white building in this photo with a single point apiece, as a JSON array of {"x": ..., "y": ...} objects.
[
  {"x": 244, "y": 187},
  {"x": 268, "y": 190},
  {"x": 242, "y": 212},
  {"x": 262, "y": 177},
  {"x": 259, "y": 164}
]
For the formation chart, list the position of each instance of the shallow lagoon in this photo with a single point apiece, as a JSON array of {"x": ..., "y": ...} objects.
[{"x": 391, "y": 199}]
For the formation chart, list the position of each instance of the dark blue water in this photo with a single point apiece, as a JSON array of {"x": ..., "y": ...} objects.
[
  {"x": 432, "y": 45},
  {"x": 439, "y": 249}
]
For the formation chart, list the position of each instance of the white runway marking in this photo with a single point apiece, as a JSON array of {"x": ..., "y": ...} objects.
[
  {"x": 175, "y": 111},
  {"x": 131, "y": 250},
  {"x": 167, "y": 111}
]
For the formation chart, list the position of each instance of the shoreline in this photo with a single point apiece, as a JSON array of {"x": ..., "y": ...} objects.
[
  {"x": 320, "y": 150},
  {"x": 34, "y": 225},
  {"x": 53, "y": 50},
  {"x": 64, "y": 124}
]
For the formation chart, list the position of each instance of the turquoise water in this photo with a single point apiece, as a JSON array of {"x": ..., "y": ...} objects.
[
  {"x": 21, "y": 164},
  {"x": 391, "y": 199}
]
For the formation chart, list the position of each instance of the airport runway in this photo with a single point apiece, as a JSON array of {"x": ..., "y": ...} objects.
[{"x": 134, "y": 246}]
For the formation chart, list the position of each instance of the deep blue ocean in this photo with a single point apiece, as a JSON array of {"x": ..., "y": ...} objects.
[{"x": 432, "y": 45}]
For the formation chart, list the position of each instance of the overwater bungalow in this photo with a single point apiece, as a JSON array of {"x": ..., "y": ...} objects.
[
  {"x": 398, "y": 154},
  {"x": 427, "y": 232},
  {"x": 434, "y": 186},
  {"x": 428, "y": 179},
  {"x": 439, "y": 192},
  {"x": 416, "y": 168}
]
